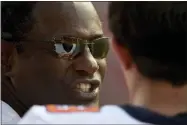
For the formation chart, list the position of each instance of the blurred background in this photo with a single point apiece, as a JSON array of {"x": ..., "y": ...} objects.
[{"x": 114, "y": 90}]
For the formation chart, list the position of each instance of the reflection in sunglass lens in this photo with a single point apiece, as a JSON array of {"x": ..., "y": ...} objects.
[
  {"x": 67, "y": 47},
  {"x": 99, "y": 48},
  {"x": 65, "y": 50}
]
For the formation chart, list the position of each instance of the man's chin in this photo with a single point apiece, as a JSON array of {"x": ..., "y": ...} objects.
[{"x": 87, "y": 101}]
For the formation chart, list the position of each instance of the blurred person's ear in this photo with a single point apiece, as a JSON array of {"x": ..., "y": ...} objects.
[{"x": 123, "y": 54}]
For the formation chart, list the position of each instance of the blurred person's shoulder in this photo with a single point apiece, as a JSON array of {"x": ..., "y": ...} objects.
[
  {"x": 8, "y": 115},
  {"x": 61, "y": 114},
  {"x": 148, "y": 116}
]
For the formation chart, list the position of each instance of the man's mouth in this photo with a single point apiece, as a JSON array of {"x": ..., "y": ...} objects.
[{"x": 87, "y": 89}]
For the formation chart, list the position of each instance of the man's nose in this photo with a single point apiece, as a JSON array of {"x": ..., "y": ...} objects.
[{"x": 86, "y": 63}]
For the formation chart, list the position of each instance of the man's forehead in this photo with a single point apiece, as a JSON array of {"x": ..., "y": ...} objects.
[{"x": 54, "y": 19}]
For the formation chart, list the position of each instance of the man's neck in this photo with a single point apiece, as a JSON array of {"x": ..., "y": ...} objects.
[
  {"x": 161, "y": 98},
  {"x": 9, "y": 96}
]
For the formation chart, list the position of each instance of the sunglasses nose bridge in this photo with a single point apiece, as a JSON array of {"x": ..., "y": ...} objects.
[{"x": 86, "y": 62}]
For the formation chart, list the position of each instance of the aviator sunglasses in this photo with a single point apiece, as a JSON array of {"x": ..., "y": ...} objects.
[{"x": 71, "y": 47}]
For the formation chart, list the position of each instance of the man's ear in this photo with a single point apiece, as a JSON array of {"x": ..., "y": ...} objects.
[
  {"x": 123, "y": 54},
  {"x": 7, "y": 49}
]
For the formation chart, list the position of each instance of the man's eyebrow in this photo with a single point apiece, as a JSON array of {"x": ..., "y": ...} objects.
[
  {"x": 89, "y": 38},
  {"x": 96, "y": 36}
]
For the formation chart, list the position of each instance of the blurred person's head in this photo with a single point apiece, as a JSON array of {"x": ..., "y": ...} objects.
[
  {"x": 58, "y": 54},
  {"x": 150, "y": 39}
]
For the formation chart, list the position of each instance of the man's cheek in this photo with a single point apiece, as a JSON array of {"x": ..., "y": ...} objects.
[{"x": 63, "y": 67}]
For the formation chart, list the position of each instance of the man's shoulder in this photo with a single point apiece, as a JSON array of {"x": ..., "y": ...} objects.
[
  {"x": 61, "y": 114},
  {"x": 9, "y": 116}
]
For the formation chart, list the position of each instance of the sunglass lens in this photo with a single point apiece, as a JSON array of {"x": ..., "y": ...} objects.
[{"x": 99, "y": 48}]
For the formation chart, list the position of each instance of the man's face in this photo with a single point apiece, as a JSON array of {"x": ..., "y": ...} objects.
[{"x": 41, "y": 76}]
